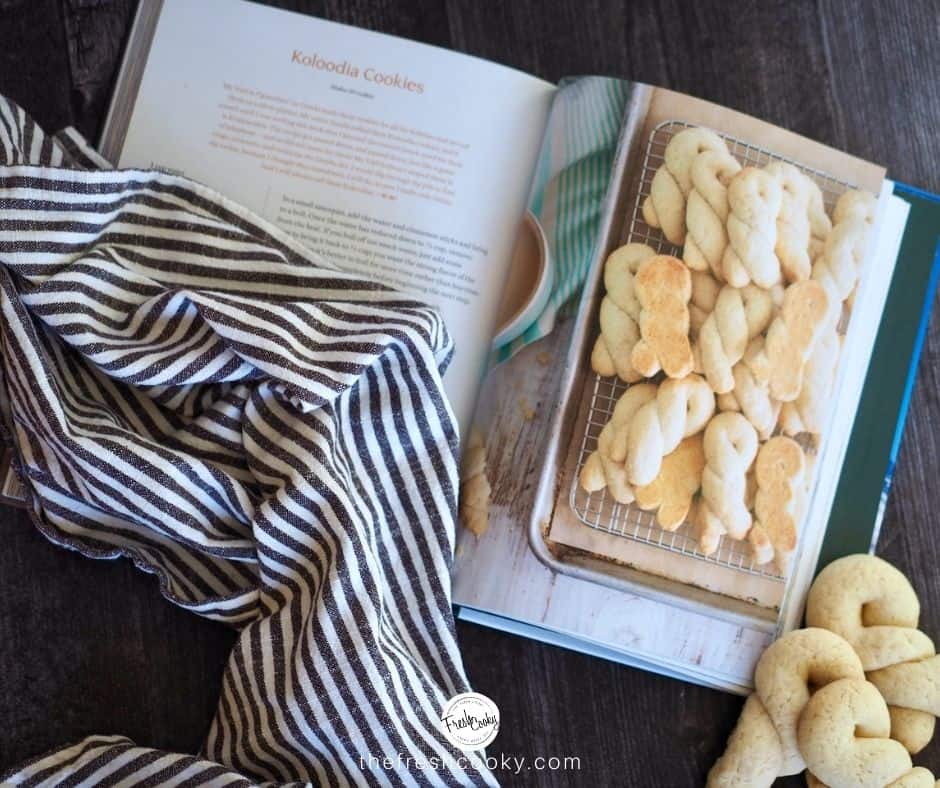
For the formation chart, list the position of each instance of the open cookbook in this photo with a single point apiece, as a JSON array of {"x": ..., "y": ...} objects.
[{"x": 729, "y": 315}]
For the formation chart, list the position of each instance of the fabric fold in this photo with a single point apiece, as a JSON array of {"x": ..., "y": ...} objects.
[{"x": 190, "y": 388}]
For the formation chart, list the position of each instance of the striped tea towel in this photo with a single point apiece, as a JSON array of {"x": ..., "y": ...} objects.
[
  {"x": 567, "y": 196},
  {"x": 192, "y": 389}
]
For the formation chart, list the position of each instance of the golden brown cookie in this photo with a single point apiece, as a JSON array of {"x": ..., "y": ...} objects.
[
  {"x": 754, "y": 198},
  {"x": 707, "y": 211},
  {"x": 605, "y": 467},
  {"x": 740, "y": 314},
  {"x": 838, "y": 266},
  {"x": 663, "y": 287},
  {"x": 872, "y": 605},
  {"x": 730, "y": 447},
  {"x": 801, "y": 220},
  {"x": 672, "y": 182},
  {"x": 681, "y": 408},
  {"x": 779, "y": 503},
  {"x": 792, "y": 336},
  {"x": 764, "y": 745},
  {"x": 680, "y": 477},
  {"x": 474, "y": 486},
  {"x": 619, "y": 313},
  {"x": 843, "y": 736}
]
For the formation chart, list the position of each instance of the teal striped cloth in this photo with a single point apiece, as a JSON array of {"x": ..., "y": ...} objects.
[{"x": 569, "y": 187}]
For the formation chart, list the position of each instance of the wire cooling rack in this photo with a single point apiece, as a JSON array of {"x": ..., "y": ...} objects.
[{"x": 598, "y": 509}]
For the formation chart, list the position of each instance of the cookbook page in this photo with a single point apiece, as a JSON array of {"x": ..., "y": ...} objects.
[{"x": 401, "y": 161}]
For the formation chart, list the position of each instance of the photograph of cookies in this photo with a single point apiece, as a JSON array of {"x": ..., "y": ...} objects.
[{"x": 719, "y": 337}]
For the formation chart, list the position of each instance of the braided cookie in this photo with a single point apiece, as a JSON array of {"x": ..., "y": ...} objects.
[
  {"x": 763, "y": 745},
  {"x": 873, "y": 606},
  {"x": 802, "y": 218},
  {"x": 665, "y": 206},
  {"x": 779, "y": 502},
  {"x": 663, "y": 287},
  {"x": 707, "y": 210},
  {"x": 843, "y": 735},
  {"x": 474, "y": 486},
  {"x": 730, "y": 448},
  {"x": 739, "y": 316},
  {"x": 681, "y": 408},
  {"x": 705, "y": 289},
  {"x": 754, "y": 198},
  {"x": 750, "y": 395},
  {"x": 679, "y": 478},
  {"x": 601, "y": 469},
  {"x": 839, "y": 265},
  {"x": 808, "y": 411},
  {"x": 792, "y": 336},
  {"x": 620, "y": 311}
]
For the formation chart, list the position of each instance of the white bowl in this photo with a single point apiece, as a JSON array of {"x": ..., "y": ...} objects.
[{"x": 529, "y": 283}]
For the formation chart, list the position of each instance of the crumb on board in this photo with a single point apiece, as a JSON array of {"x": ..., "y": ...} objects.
[
  {"x": 528, "y": 412},
  {"x": 543, "y": 357},
  {"x": 474, "y": 486}
]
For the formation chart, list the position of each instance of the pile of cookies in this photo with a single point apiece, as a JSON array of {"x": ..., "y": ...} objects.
[
  {"x": 731, "y": 351},
  {"x": 850, "y": 698}
]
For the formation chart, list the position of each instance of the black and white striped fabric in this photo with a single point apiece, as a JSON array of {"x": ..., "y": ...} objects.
[{"x": 191, "y": 389}]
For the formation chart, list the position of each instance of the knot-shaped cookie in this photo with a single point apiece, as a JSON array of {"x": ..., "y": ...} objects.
[
  {"x": 779, "y": 502},
  {"x": 706, "y": 212},
  {"x": 672, "y": 182},
  {"x": 808, "y": 411},
  {"x": 843, "y": 737},
  {"x": 801, "y": 220},
  {"x": 838, "y": 266},
  {"x": 679, "y": 478},
  {"x": 663, "y": 287},
  {"x": 681, "y": 408},
  {"x": 754, "y": 201},
  {"x": 751, "y": 394},
  {"x": 740, "y": 314},
  {"x": 605, "y": 467},
  {"x": 763, "y": 745},
  {"x": 792, "y": 336},
  {"x": 873, "y": 606},
  {"x": 620, "y": 311},
  {"x": 730, "y": 447}
]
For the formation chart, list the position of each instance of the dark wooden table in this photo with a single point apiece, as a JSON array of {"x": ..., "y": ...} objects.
[{"x": 91, "y": 647}]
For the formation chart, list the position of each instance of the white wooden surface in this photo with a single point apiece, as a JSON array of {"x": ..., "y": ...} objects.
[{"x": 499, "y": 573}]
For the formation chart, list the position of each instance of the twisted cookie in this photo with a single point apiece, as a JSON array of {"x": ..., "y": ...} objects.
[
  {"x": 843, "y": 736},
  {"x": 707, "y": 210},
  {"x": 663, "y": 287},
  {"x": 681, "y": 408},
  {"x": 474, "y": 486},
  {"x": 873, "y": 606},
  {"x": 838, "y": 267},
  {"x": 792, "y": 336},
  {"x": 730, "y": 447},
  {"x": 779, "y": 501},
  {"x": 739, "y": 316},
  {"x": 801, "y": 221},
  {"x": 705, "y": 289},
  {"x": 620, "y": 311},
  {"x": 763, "y": 745},
  {"x": 665, "y": 206},
  {"x": 605, "y": 466},
  {"x": 808, "y": 411},
  {"x": 751, "y": 395},
  {"x": 679, "y": 478},
  {"x": 754, "y": 198}
]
